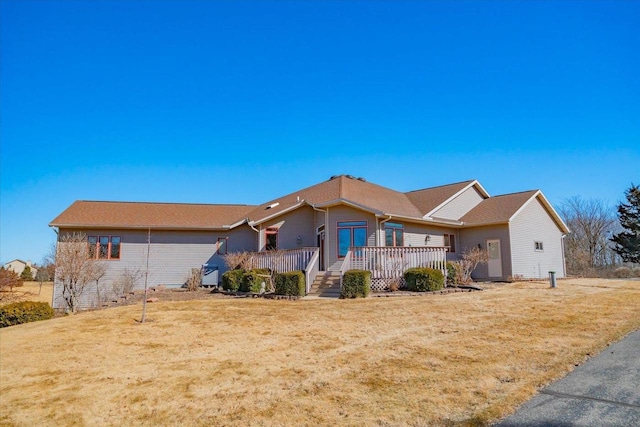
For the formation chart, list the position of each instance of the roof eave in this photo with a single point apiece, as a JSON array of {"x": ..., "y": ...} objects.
[
  {"x": 143, "y": 227},
  {"x": 277, "y": 214}
]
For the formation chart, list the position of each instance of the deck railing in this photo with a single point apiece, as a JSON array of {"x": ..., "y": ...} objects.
[
  {"x": 387, "y": 263},
  {"x": 305, "y": 259}
]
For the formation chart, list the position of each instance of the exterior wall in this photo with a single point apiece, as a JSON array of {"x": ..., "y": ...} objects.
[
  {"x": 470, "y": 237},
  {"x": 171, "y": 256},
  {"x": 416, "y": 235},
  {"x": 459, "y": 206},
  {"x": 345, "y": 213},
  {"x": 533, "y": 224},
  {"x": 298, "y": 223}
]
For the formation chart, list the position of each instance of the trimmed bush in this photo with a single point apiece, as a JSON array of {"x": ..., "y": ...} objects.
[
  {"x": 356, "y": 283},
  {"x": 24, "y": 312},
  {"x": 290, "y": 283},
  {"x": 636, "y": 272},
  {"x": 451, "y": 274},
  {"x": 252, "y": 280},
  {"x": 232, "y": 279},
  {"x": 424, "y": 279}
]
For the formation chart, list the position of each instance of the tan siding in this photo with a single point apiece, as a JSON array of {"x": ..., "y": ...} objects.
[
  {"x": 415, "y": 235},
  {"x": 533, "y": 224},
  {"x": 300, "y": 222},
  {"x": 171, "y": 256},
  {"x": 459, "y": 206},
  {"x": 470, "y": 237}
]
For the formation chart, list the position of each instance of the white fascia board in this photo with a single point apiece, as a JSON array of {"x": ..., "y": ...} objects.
[
  {"x": 437, "y": 221},
  {"x": 282, "y": 212},
  {"x": 235, "y": 224},
  {"x": 554, "y": 215},
  {"x": 475, "y": 182}
]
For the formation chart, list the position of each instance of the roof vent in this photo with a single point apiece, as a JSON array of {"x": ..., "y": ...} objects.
[
  {"x": 350, "y": 177},
  {"x": 333, "y": 177},
  {"x": 362, "y": 179},
  {"x": 272, "y": 205}
]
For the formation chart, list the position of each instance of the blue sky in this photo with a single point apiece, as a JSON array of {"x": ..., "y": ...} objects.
[{"x": 243, "y": 101}]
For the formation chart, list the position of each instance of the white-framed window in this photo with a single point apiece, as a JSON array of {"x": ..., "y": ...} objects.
[{"x": 539, "y": 247}]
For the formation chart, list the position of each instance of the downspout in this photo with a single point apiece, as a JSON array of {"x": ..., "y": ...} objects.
[
  {"x": 257, "y": 231},
  {"x": 378, "y": 230}
]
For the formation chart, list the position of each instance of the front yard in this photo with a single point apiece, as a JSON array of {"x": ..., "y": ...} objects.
[{"x": 457, "y": 359}]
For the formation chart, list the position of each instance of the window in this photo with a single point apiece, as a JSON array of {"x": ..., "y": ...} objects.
[
  {"x": 538, "y": 246},
  {"x": 393, "y": 234},
  {"x": 222, "y": 245},
  {"x": 115, "y": 248},
  {"x": 351, "y": 233},
  {"x": 450, "y": 242},
  {"x": 104, "y": 247},
  {"x": 271, "y": 235},
  {"x": 93, "y": 244}
]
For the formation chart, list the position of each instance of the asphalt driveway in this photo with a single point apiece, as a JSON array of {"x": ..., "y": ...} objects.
[{"x": 604, "y": 391}]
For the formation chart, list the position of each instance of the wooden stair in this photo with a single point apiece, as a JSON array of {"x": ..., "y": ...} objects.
[{"x": 326, "y": 284}]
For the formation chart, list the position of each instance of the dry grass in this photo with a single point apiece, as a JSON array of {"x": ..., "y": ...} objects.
[
  {"x": 30, "y": 291},
  {"x": 457, "y": 359}
]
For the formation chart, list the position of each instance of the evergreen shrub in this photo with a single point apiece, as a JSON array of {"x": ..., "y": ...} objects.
[
  {"x": 355, "y": 283},
  {"x": 290, "y": 283},
  {"x": 424, "y": 279},
  {"x": 24, "y": 312}
]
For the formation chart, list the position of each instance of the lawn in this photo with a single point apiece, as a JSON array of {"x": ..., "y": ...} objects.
[
  {"x": 456, "y": 359},
  {"x": 29, "y": 291}
]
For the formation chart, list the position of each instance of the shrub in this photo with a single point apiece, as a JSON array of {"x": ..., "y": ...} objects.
[
  {"x": 424, "y": 279},
  {"x": 290, "y": 283},
  {"x": 623, "y": 272},
  {"x": 636, "y": 272},
  {"x": 24, "y": 312},
  {"x": 194, "y": 279},
  {"x": 356, "y": 283},
  {"x": 232, "y": 279},
  {"x": 451, "y": 274},
  {"x": 252, "y": 280}
]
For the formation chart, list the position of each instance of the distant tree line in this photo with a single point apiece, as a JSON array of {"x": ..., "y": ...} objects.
[{"x": 601, "y": 241}]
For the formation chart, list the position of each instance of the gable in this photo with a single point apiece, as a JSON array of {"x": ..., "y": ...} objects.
[{"x": 460, "y": 204}]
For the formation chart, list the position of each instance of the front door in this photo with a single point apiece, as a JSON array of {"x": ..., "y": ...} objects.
[{"x": 495, "y": 258}]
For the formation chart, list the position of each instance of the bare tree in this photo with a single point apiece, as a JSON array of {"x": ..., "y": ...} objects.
[
  {"x": 235, "y": 260},
  {"x": 587, "y": 247},
  {"x": 75, "y": 269},
  {"x": 42, "y": 276},
  {"x": 470, "y": 260}
]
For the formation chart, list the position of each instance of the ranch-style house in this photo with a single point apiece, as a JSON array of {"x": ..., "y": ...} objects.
[{"x": 326, "y": 229}]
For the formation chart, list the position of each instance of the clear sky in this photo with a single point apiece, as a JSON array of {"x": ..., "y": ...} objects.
[{"x": 242, "y": 101}]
